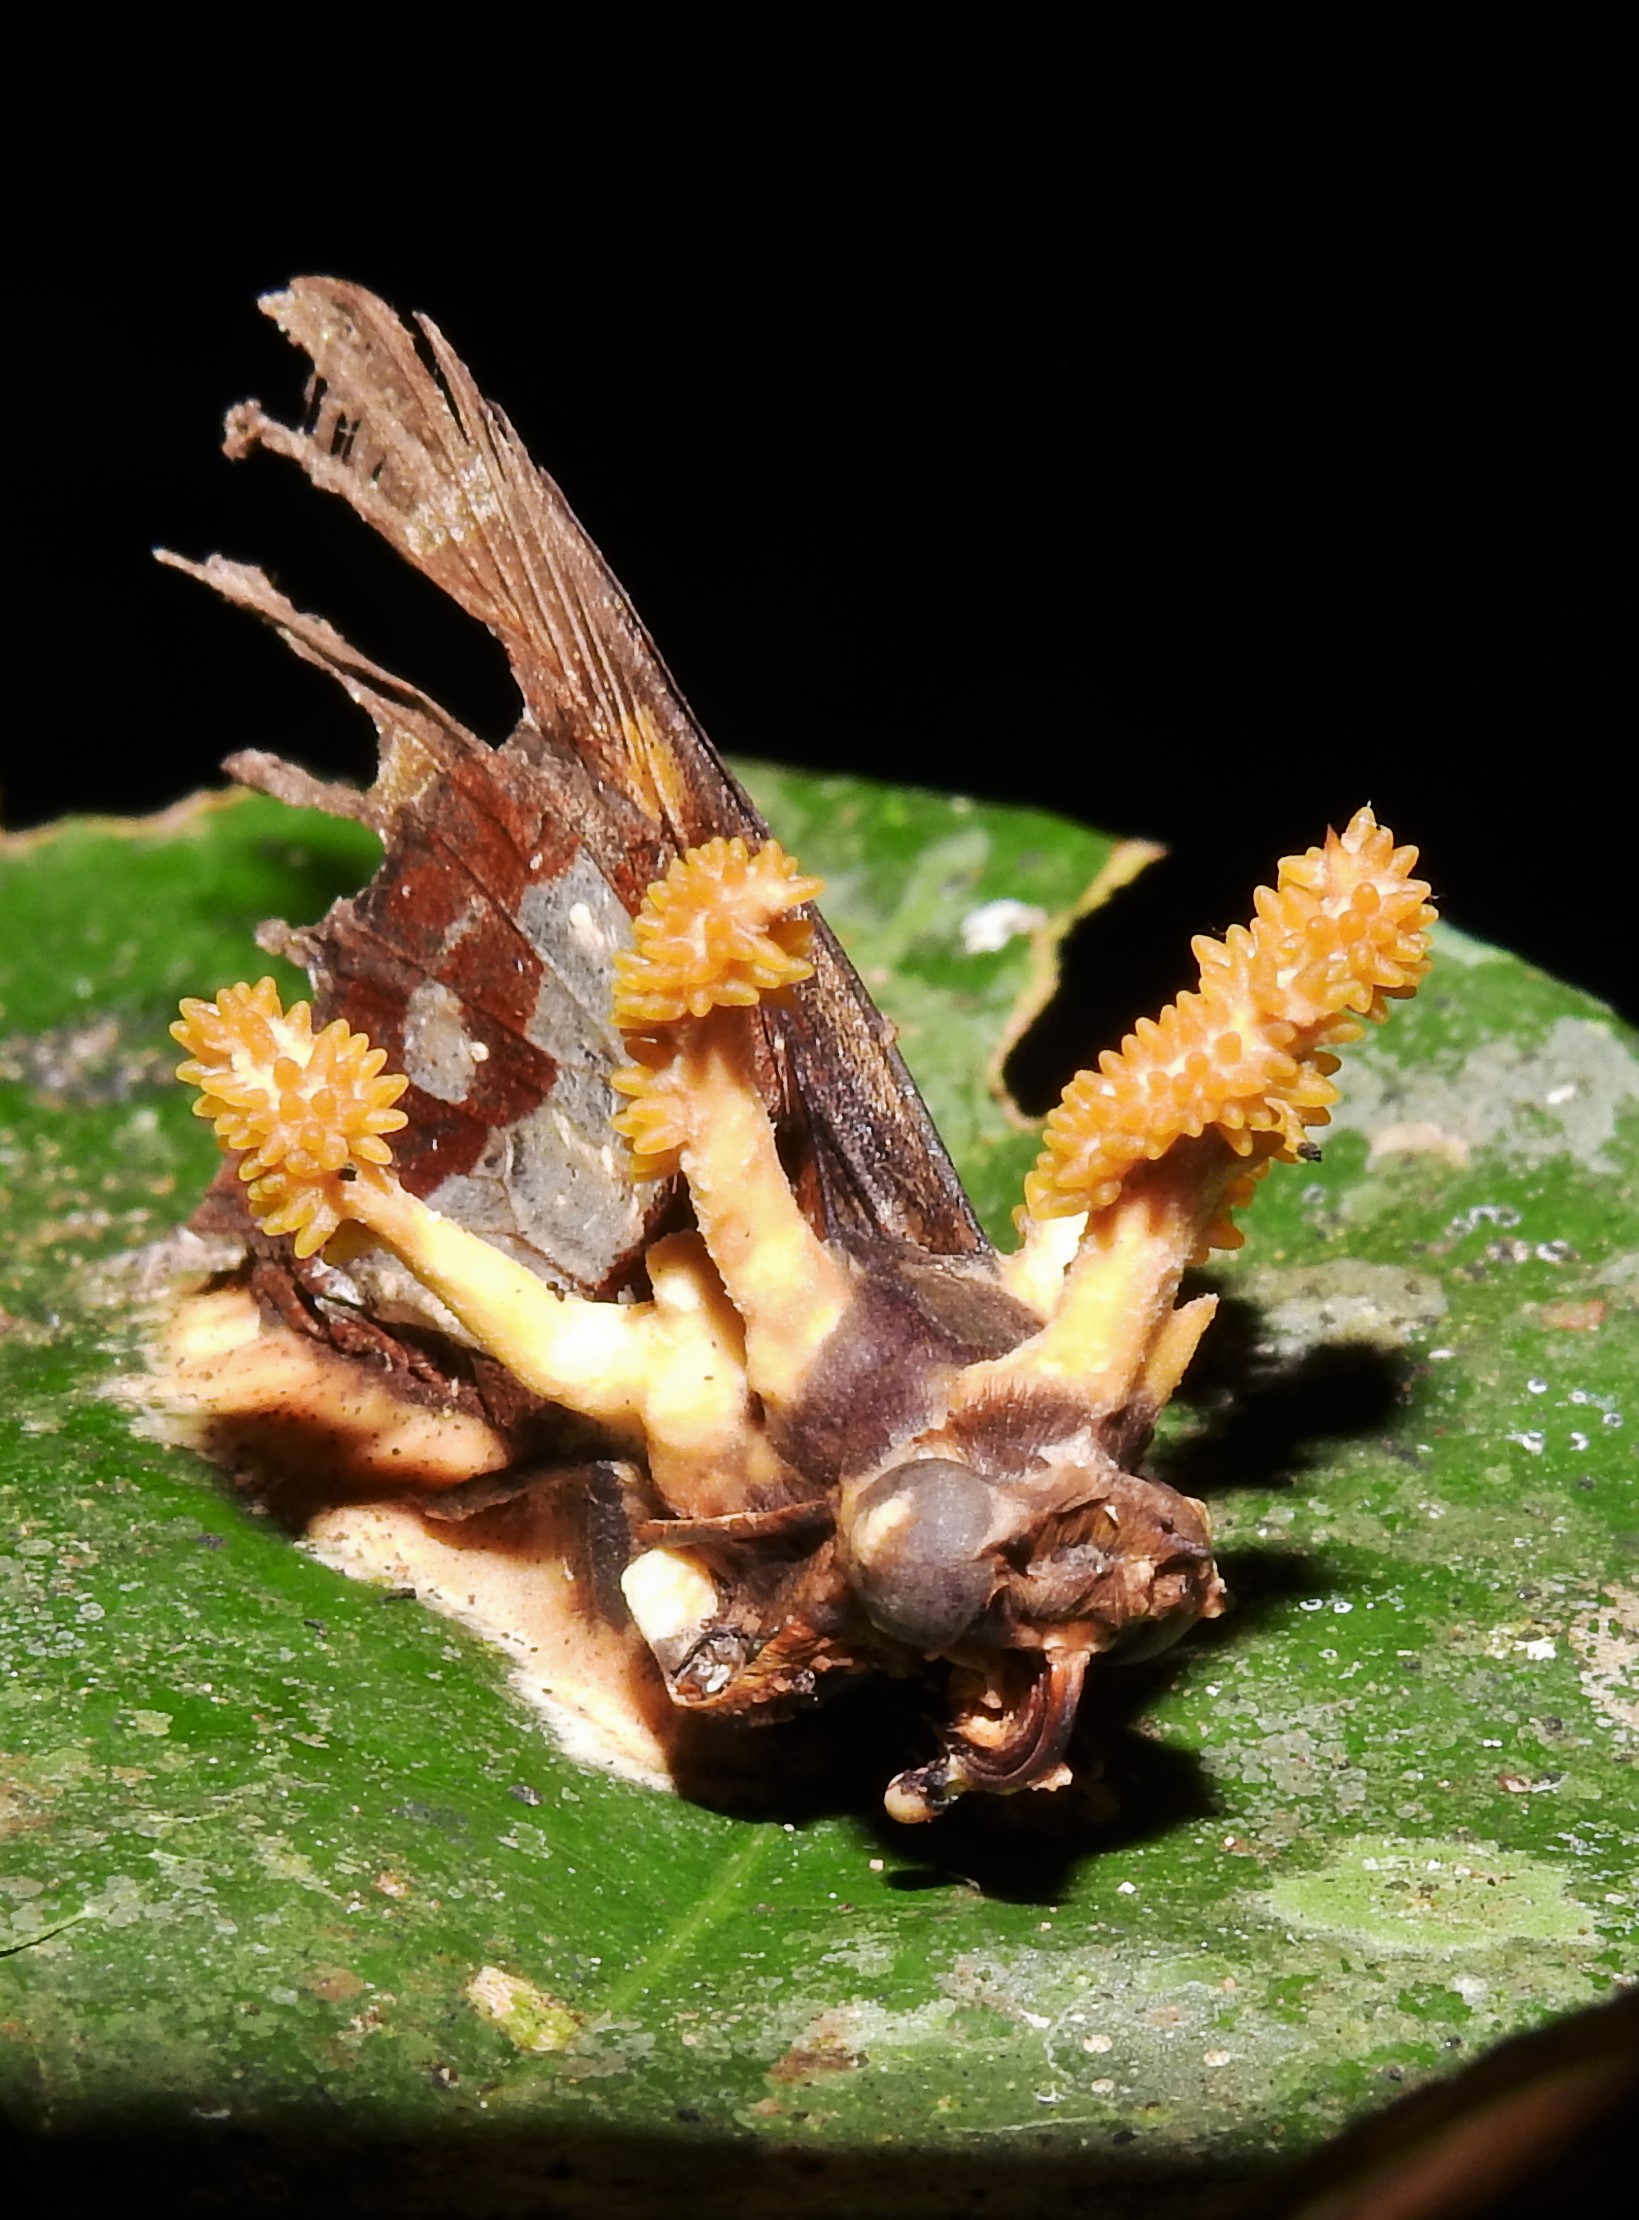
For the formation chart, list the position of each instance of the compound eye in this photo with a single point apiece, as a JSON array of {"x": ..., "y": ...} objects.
[{"x": 914, "y": 1543}]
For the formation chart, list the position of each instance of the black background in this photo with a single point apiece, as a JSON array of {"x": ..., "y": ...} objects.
[{"x": 1199, "y": 431}]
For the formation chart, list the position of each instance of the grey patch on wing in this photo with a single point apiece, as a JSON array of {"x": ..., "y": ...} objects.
[
  {"x": 438, "y": 1050},
  {"x": 554, "y": 1190},
  {"x": 576, "y": 922}
]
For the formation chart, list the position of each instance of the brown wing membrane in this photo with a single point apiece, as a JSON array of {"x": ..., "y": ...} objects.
[
  {"x": 480, "y": 957},
  {"x": 607, "y": 769}
]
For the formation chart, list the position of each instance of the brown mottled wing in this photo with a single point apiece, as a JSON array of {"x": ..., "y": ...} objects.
[
  {"x": 480, "y": 957},
  {"x": 606, "y": 776}
]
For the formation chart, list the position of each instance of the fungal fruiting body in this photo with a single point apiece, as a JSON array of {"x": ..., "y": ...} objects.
[
  {"x": 305, "y": 1111},
  {"x": 850, "y": 1453},
  {"x": 1150, "y": 1152}
]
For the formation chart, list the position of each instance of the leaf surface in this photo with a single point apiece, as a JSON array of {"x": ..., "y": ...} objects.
[{"x": 281, "y": 1857}]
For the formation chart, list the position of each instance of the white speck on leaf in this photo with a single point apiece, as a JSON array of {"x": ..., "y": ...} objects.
[{"x": 986, "y": 930}]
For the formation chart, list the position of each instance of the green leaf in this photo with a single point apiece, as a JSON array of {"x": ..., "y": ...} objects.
[{"x": 283, "y": 1857}]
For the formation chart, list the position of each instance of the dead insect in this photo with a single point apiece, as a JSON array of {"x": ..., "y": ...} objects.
[{"x": 668, "y": 1215}]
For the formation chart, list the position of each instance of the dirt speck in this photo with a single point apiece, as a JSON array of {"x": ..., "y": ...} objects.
[
  {"x": 1605, "y": 1637},
  {"x": 333, "y": 1984},
  {"x": 528, "y": 2017}
]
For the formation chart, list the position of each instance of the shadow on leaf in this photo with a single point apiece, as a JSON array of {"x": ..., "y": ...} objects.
[{"x": 1263, "y": 1419}]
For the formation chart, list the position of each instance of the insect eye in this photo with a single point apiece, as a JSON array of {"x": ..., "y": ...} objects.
[{"x": 914, "y": 1544}]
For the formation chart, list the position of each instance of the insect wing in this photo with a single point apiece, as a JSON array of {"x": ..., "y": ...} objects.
[{"x": 482, "y": 949}]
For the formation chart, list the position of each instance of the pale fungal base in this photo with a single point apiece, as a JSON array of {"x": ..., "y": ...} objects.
[
  {"x": 268, "y": 1401},
  {"x": 325, "y": 1445}
]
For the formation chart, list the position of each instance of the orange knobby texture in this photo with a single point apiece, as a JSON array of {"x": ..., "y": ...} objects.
[
  {"x": 715, "y": 931},
  {"x": 306, "y": 1108},
  {"x": 1247, "y": 1057}
]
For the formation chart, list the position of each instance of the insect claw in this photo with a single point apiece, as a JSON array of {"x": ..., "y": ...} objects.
[{"x": 923, "y": 1793}]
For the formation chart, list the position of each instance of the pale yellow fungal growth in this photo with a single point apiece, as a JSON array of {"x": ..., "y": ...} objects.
[
  {"x": 712, "y": 938},
  {"x": 309, "y": 1110},
  {"x": 716, "y": 932},
  {"x": 305, "y": 1108},
  {"x": 1247, "y": 1057}
]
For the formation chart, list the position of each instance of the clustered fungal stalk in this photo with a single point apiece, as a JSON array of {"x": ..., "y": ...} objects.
[
  {"x": 1247, "y": 1056},
  {"x": 1146, "y": 1156},
  {"x": 719, "y": 931},
  {"x": 858, "y": 1456},
  {"x": 307, "y": 1110}
]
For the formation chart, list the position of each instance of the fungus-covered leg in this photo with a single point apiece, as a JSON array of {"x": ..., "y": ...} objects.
[
  {"x": 714, "y": 936},
  {"x": 1115, "y": 1331},
  {"x": 310, "y": 1112}
]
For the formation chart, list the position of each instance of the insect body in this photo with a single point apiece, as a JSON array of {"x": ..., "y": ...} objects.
[{"x": 849, "y": 1435}]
